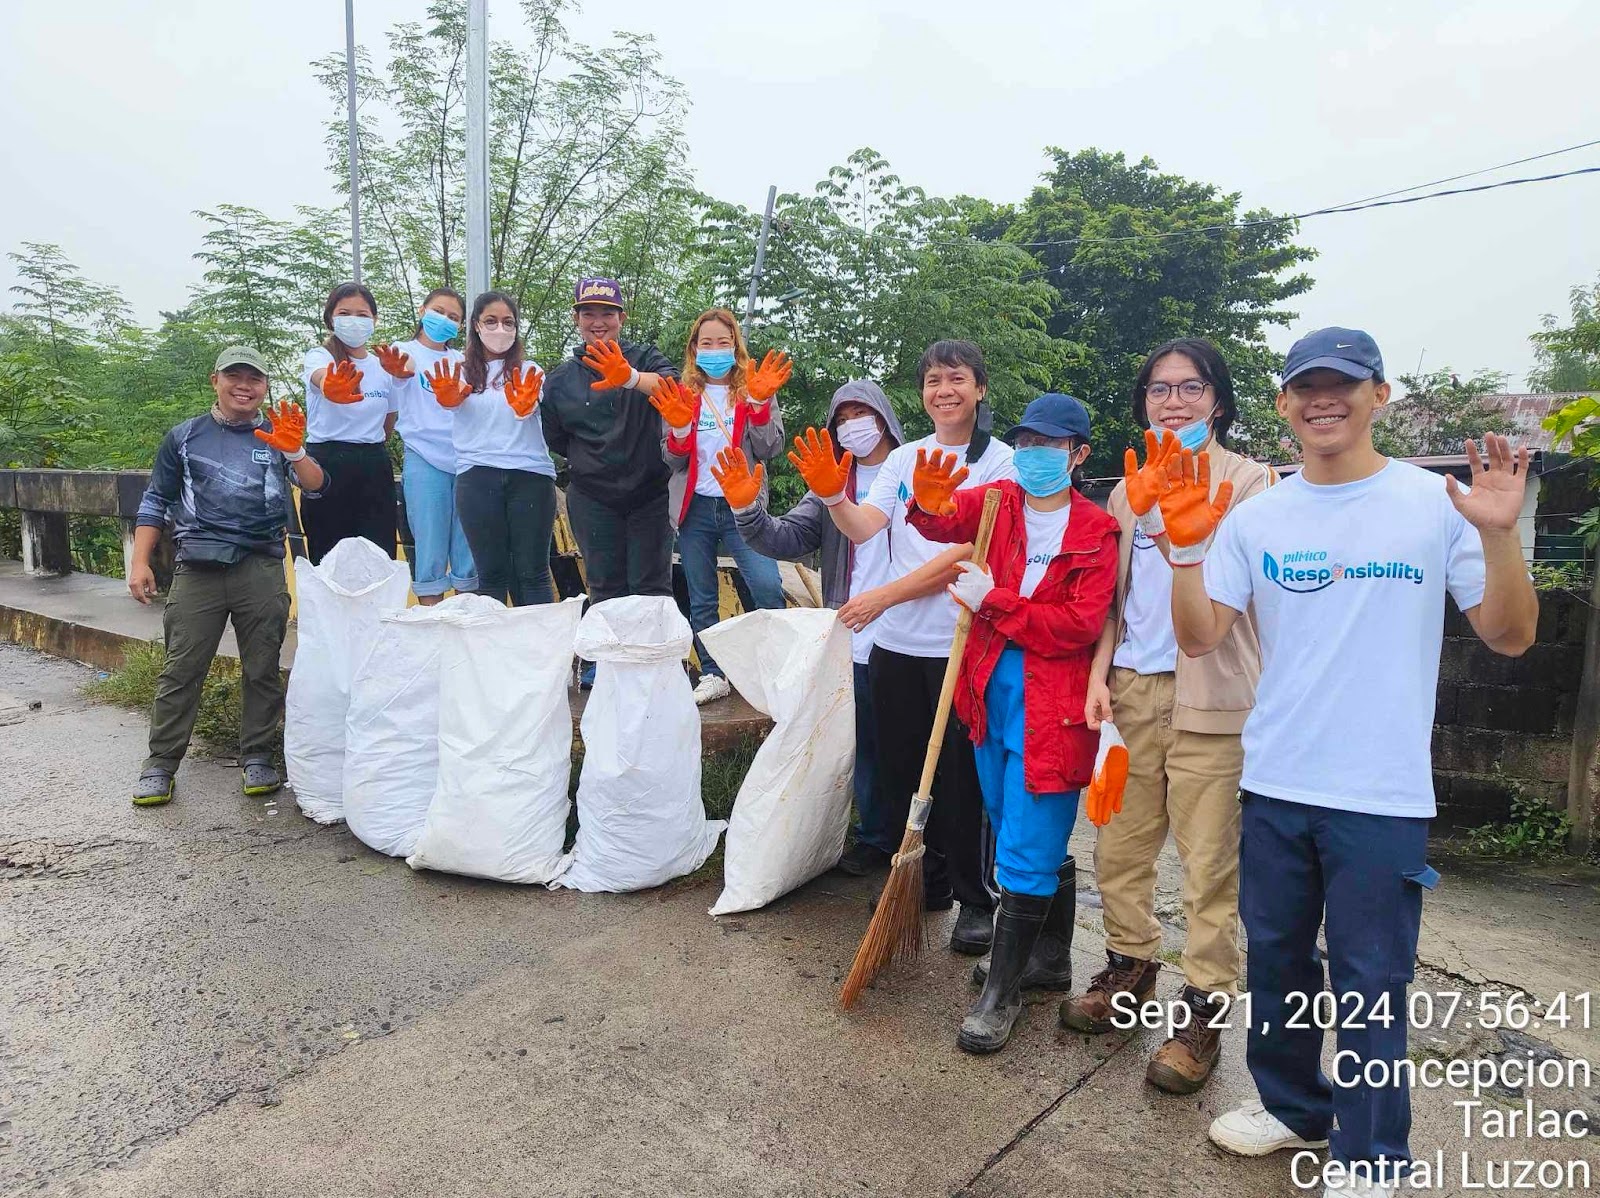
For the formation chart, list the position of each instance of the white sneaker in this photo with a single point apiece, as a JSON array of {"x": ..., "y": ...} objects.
[
  {"x": 1252, "y": 1130},
  {"x": 711, "y": 688},
  {"x": 1358, "y": 1188}
]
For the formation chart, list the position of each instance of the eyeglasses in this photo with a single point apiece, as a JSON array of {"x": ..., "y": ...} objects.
[
  {"x": 491, "y": 324},
  {"x": 1190, "y": 389}
]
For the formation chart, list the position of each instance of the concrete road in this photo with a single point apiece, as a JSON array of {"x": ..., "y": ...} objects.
[{"x": 221, "y": 998}]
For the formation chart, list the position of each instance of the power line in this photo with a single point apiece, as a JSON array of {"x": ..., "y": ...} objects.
[{"x": 1383, "y": 195}]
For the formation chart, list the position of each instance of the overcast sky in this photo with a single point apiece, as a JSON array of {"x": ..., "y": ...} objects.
[{"x": 126, "y": 115}]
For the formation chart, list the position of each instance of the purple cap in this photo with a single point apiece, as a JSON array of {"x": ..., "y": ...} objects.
[{"x": 598, "y": 291}]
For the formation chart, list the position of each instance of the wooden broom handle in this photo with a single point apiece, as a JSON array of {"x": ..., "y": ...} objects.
[{"x": 952, "y": 669}]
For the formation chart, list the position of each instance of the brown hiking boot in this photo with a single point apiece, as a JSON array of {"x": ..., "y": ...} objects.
[
  {"x": 1092, "y": 1012},
  {"x": 1183, "y": 1063}
]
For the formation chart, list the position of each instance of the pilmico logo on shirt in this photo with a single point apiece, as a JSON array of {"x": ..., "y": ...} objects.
[{"x": 1308, "y": 570}]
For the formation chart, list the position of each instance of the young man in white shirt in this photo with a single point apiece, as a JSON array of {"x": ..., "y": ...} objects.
[{"x": 1347, "y": 565}]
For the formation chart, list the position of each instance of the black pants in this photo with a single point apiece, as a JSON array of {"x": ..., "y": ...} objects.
[
  {"x": 508, "y": 516},
  {"x": 905, "y": 692},
  {"x": 626, "y": 550},
  {"x": 358, "y": 501}
]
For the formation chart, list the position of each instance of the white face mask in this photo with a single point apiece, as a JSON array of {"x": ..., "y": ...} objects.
[
  {"x": 497, "y": 341},
  {"x": 860, "y": 435},
  {"x": 352, "y": 330}
]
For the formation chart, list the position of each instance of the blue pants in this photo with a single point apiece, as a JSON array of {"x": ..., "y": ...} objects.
[
  {"x": 878, "y": 826},
  {"x": 440, "y": 558},
  {"x": 1030, "y": 831},
  {"x": 707, "y": 525},
  {"x": 1363, "y": 874}
]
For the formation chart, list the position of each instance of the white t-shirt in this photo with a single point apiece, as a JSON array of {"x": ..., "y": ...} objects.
[
  {"x": 1349, "y": 584},
  {"x": 363, "y": 421},
  {"x": 1149, "y": 645},
  {"x": 872, "y": 566},
  {"x": 426, "y": 427},
  {"x": 1045, "y": 530},
  {"x": 710, "y": 439},
  {"x": 923, "y": 627},
  {"x": 488, "y": 433}
]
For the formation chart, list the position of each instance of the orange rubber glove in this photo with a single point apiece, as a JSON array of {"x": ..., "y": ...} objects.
[
  {"x": 286, "y": 428},
  {"x": 934, "y": 480},
  {"x": 605, "y": 359},
  {"x": 1146, "y": 483},
  {"x": 676, "y": 405},
  {"x": 522, "y": 391},
  {"x": 341, "y": 383},
  {"x": 448, "y": 387},
  {"x": 1190, "y": 514},
  {"x": 395, "y": 364},
  {"x": 768, "y": 379},
  {"x": 824, "y": 474},
  {"x": 1103, "y": 798},
  {"x": 740, "y": 488}
]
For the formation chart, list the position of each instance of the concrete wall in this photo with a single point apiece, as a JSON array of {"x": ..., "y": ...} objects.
[{"x": 1506, "y": 722}]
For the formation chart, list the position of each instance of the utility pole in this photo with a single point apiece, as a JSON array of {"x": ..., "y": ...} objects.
[
  {"x": 350, "y": 130},
  {"x": 477, "y": 89},
  {"x": 761, "y": 255}
]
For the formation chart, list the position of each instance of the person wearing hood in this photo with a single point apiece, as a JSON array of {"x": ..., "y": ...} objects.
[{"x": 858, "y": 580}]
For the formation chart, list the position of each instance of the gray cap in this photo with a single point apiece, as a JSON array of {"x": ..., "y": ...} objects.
[{"x": 240, "y": 355}]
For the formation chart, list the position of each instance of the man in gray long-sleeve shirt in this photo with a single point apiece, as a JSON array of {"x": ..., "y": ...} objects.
[{"x": 223, "y": 479}]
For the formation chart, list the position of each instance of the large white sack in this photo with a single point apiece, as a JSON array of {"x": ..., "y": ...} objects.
[
  {"x": 391, "y": 759},
  {"x": 340, "y": 601},
  {"x": 640, "y": 819},
  {"x": 500, "y": 807},
  {"x": 791, "y": 814}
]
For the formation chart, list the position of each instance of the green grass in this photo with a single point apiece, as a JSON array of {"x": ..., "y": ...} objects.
[
  {"x": 1535, "y": 830},
  {"x": 221, "y": 701}
]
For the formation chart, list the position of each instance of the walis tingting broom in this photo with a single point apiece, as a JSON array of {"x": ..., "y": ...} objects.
[{"x": 896, "y": 931}]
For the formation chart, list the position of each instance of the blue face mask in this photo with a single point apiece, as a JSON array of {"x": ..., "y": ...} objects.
[
  {"x": 715, "y": 362},
  {"x": 1190, "y": 436},
  {"x": 438, "y": 327},
  {"x": 1043, "y": 470}
]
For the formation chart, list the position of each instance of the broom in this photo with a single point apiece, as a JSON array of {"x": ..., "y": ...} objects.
[{"x": 896, "y": 931}]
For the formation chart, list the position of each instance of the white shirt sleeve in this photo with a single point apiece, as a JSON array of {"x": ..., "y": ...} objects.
[
  {"x": 1227, "y": 567},
  {"x": 885, "y": 493},
  {"x": 1464, "y": 570},
  {"x": 316, "y": 358}
]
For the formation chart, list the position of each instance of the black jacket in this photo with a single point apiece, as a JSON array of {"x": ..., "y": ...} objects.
[{"x": 611, "y": 439}]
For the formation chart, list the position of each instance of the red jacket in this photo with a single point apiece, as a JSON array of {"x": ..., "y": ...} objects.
[
  {"x": 745, "y": 414},
  {"x": 1056, "y": 629}
]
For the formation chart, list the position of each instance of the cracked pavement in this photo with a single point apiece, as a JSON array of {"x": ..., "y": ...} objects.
[{"x": 221, "y": 998}]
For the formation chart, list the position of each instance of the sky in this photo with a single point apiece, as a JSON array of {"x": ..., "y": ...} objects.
[{"x": 127, "y": 115}]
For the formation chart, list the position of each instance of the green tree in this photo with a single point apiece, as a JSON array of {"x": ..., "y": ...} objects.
[
  {"x": 1136, "y": 257},
  {"x": 1567, "y": 357},
  {"x": 1439, "y": 412}
]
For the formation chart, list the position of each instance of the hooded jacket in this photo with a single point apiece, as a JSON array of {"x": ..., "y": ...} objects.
[{"x": 807, "y": 527}]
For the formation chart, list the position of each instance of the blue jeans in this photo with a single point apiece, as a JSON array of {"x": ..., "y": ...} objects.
[
  {"x": 1367, "y": 872},
  {"x": 877, "y": 827},
  {"x": 708, "y": 525},
  {"x": 440, "y": 557},
  {"x": 1030, "y": 831}
]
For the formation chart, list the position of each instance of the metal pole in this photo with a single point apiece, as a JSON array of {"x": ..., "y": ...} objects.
[
  {"x": 477, "y": 148},
  {"x": 350, "y": 130},
  {"x": 761, "y": 254}
]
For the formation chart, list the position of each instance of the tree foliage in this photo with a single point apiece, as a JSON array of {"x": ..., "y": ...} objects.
[
  {"x": 1567, "y": 357},
  {"x": 1439, "y": 413}
]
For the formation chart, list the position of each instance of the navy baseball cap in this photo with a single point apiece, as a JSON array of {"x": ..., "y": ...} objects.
[
  {"x": 1351, "y": 352},
  {"x": 1053, "y": 416}
]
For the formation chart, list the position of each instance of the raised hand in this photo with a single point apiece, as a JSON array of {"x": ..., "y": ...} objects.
[
  {"x": 732, "y": 471},
  {"x": 522, "y": 390},
  {"x": 448, "y": 387},
  {"x": 1495, "y": 501},
  {"x": 395, "y": 364},
  {"x": 605, "y": 359},
  {"x": 674, "y": 403},
  {"x": 813, "y": 458},
  {"x": 1103, "y": 798},
  {"x": 341, "y": 383},
  {"x": 934, "y": 480},
  {"x": 768, "y": 379},
  {"x": 1147, "y": 482},
  {"x": 286, "y": 428},
  {"x": 1191, "y": 515}
]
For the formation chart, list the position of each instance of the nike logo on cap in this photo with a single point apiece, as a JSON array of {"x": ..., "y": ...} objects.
[{"x": 1349, "y": 346}]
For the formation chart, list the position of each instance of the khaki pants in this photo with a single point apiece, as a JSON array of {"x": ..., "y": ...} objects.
[{"x": 1188, "y": 781}]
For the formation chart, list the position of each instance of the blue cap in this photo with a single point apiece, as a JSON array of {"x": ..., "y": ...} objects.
[
  {"x": 1351, "y": 352},
  {"x": 1053, "y": 416}
]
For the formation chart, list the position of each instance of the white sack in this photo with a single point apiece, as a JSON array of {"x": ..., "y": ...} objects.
[
  {"x": 500, "y": 807},
  {"x": 640, "y": 819},
  {"x": 339, "y": 602},
  {"x": 790, "y": 818}
]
